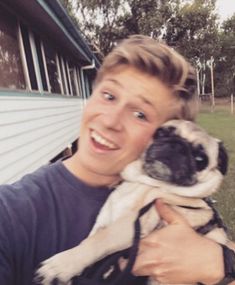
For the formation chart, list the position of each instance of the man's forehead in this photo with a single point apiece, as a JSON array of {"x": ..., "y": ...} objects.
[
  {"x": 144, "y": 87},
  {"x": 144, "y": 98},
  {"x": 112, "y": 80}
]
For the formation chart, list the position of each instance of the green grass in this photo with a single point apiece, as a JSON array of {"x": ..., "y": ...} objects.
[{"x": 221, "y": 124}]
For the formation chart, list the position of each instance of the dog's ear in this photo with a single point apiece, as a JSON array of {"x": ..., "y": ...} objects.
[
  {"x": 222, "y": 159},
  {"x": 164, "y": 132}
]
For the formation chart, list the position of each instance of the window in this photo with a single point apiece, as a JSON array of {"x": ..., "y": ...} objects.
[
  {"x": 43, "y": 71},
  {"x": 72, "y": 74},
  {"x": 53, "y": 74},
  {"x": 67, "y": 76},
  {"x": 30, "y": 61},
  {"x": 29, "y": 56},
  {"x": 78, "y": 79},
  {"x": 11, "y": 70},
  {"x": 62, "y": 74}
]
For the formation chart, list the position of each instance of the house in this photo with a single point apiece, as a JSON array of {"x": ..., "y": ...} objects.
[{"x": 46, "y": 72}]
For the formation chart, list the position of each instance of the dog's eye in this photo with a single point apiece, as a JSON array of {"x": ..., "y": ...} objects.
[{"x": 201, "y": 159}]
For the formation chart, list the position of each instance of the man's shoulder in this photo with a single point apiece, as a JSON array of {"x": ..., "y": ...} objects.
[
  {"x": 30, "y": 197},
  {"x": 43, "y": 175},
  {"x": 39, "y": 179}
]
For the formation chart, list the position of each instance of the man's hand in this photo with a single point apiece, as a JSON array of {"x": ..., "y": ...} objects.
[{"x": 177, "y": 254}]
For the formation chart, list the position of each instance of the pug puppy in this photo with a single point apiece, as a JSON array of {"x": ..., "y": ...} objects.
[{"x": 182, "y": 165}]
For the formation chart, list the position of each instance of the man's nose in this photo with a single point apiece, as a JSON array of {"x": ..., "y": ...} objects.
[{"x": 113, "y": 118}]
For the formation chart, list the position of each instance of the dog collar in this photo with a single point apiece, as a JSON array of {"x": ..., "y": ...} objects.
[{"x": 229, "y": 264}]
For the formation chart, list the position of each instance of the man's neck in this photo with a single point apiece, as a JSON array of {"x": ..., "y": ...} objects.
[{"x": 89, "y": 177}]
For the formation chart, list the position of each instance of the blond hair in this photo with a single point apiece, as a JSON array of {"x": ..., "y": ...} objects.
[{"x": 160, "y": 60}]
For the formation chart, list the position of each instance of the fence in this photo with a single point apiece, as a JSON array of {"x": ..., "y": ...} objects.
[{"x": 223, "y": 103}]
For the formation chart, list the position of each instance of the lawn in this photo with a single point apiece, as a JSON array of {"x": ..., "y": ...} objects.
[{"x": 221, "y": 124}]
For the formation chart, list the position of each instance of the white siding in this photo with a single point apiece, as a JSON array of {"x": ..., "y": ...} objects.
[{"x": 33, "y": 130}]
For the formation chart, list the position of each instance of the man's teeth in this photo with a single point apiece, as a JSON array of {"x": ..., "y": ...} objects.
[{"x": 102, "y": 140}]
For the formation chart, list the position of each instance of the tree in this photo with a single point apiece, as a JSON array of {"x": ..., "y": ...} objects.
[
  {"x": 225, "y": 69},
  {"x": 98, "y": 20},
  {"x": 185, "y": 25},
  {"x": 105, "y": 22},
  {"x": 193, "y": 31},
  {"x": 149, "y": 17}
]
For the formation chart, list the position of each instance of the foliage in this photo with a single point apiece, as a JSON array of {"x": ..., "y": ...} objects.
[
  {"x": 99, "y": 21},
  {"x": 148, "y": 17},
  {"x": 194, "y": 30},
  {"x": 225, "y": 68}
]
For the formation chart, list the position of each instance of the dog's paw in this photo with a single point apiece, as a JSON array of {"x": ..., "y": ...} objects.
[{"x": 60, "y": 267}]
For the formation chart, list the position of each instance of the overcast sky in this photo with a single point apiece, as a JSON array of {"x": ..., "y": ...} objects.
[{"x": 226, "y": 8}]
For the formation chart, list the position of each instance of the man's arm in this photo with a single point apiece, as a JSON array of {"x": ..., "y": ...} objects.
[
  {"x": 8, "y": 235},
  {"x": 6, "y": 274},
  {"x": 177, "y": 254},
  {"x": 6, "y": 260}
]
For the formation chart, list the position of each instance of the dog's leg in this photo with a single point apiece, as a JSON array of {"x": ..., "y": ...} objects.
[{"x": 67, "y": 264}]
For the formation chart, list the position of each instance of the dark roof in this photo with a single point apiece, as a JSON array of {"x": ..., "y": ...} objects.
[
  {"x": 70, "y": 26},
  {"x": 51, "y": 19}
]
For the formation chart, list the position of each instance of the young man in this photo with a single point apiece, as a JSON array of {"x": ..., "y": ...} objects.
[{"x": 140, "y": 85}]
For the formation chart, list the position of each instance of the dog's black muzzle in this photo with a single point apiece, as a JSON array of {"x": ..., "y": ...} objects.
[{"x": 171, "y": 159}]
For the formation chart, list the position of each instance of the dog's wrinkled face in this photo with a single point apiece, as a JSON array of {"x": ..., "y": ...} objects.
[{"x": 183, "y": 154}]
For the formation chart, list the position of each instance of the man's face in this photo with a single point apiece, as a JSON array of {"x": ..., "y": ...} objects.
[{"x": 119, "y": 120}]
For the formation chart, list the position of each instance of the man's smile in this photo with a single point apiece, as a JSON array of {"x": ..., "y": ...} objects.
[{"x": 102, "y": 143}]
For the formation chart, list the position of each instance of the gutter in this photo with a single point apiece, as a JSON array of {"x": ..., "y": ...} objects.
[
  {"x": 86, "y": 67},
  {"x": 91, "y": 66}
]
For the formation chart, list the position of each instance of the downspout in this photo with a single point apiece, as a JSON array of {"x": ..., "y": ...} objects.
[{"x": 91, "y": 66}]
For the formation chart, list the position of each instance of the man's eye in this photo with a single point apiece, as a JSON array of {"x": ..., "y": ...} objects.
[
  {"x": 108, "y": 96},
  {"x": 140, "y": 115}
]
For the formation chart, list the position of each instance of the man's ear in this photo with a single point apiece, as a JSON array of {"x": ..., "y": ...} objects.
[{"x": 222, "y": 159}]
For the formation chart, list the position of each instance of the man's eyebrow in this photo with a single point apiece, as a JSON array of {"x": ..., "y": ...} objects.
[
  {"x": 116, "y": 82},
  {"x": 146, "y": 101}
]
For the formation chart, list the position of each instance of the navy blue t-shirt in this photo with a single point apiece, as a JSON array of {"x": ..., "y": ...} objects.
[{"x": 44, "y": 213}]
